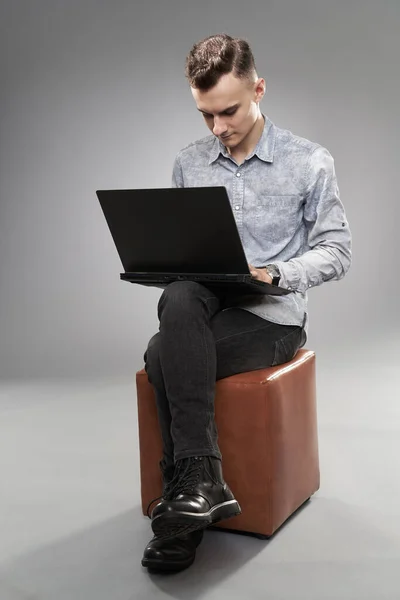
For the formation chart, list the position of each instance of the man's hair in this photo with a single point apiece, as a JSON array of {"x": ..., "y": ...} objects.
[{"x": 218, "y": 55}]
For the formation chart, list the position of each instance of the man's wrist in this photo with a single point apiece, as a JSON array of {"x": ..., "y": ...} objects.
[{"x": 274, "y": 273}]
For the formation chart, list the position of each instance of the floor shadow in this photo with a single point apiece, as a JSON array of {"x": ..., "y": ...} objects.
[
  {"x": 103, "y": 563},
  {"x": 341, "y": 547}
]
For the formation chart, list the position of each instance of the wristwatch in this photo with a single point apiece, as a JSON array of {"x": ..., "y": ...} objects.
[{"x": 273, "y": 272}]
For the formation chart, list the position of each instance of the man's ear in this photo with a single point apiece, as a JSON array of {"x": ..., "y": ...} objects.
[{"x": 259, "y": 89}]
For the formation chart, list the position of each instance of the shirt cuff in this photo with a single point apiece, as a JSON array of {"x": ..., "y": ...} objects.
[{"x": 290, "y": 277}]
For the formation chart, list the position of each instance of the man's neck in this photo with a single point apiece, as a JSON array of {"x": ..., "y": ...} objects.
[{"x": 250, "y": 141}]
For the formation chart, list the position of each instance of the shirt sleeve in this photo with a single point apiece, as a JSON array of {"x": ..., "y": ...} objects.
[
  {"x": 177, "y": 175},
  {"x": 329, "y": 236}
]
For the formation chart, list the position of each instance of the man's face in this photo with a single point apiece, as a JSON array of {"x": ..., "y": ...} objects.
[{"x": 230, "y": 108}]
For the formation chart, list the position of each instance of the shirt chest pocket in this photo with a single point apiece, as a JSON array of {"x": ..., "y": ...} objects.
[{"x": 276, "y": 218}]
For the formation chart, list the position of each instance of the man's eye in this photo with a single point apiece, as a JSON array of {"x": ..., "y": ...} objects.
[{"x": 227, "y": 114}]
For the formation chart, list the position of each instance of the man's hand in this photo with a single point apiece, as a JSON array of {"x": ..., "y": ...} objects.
[{"x": 260, "y": 274}]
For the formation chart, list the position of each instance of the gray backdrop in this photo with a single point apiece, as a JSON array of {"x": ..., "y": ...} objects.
[{"x": 93, "y": 91}]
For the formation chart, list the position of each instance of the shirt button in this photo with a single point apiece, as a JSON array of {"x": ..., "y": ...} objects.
[
  {"x": 237, "y": 207},
  {"x": 238, "y": 174}
]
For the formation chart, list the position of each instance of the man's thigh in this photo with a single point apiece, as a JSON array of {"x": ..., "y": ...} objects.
[{"x": 246, "y": 342}]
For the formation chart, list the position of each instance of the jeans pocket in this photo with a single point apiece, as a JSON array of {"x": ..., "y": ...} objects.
[{"x": 286, "y": 348}]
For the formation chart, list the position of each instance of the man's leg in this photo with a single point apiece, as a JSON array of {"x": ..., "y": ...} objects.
[
  {"x": 178, "y": 552},
  {"x": 193, "y": 331},
  {"x": 156, "y": 378},
  {"x": 233, "y": 341},
  {"x": 246, "y": 342},
  {"x": 181, "y": 365}
]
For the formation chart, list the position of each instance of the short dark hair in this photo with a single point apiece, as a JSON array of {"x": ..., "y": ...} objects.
[{"x": 218, "y": 55}]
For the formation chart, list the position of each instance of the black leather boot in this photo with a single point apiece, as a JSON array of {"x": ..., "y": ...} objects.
[
  {"x": 196, "y": 497},
  {"x": 174, "y": 554}
]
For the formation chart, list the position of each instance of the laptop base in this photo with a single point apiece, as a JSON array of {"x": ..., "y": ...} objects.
[{"x": 238, "y": 284}]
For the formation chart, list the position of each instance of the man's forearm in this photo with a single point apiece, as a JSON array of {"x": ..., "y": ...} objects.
[{"x": 321, "y": 264}]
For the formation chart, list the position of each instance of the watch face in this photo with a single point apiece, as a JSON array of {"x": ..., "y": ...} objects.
[{"x": 273, "y": 271}]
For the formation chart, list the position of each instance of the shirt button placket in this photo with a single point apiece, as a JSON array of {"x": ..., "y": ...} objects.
[{"x": 238, "y": 193}]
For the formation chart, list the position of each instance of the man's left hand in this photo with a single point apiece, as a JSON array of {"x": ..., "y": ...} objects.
[{"x": 260, "y": 274}]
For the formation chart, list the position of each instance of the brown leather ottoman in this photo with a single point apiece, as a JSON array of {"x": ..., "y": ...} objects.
[{"x": 267, "y": 429}]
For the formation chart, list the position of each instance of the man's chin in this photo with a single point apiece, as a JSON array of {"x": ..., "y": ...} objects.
[{"x": 229, "y": 141}]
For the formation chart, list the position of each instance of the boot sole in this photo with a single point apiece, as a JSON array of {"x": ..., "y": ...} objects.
[
  {"x": 162, "y": 566},
  {"x": 173, "y": 524}
]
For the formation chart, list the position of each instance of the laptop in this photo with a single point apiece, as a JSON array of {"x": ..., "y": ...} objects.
[{"x": 180, "y": 234}]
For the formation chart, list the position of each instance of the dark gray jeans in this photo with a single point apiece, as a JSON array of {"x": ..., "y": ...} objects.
[{"x": 197, "y": 344}]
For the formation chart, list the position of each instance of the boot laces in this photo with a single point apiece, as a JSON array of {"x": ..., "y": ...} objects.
[{"x": 187, "y": 476}]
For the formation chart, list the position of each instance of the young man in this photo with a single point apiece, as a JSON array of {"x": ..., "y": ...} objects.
[{"x": 295, "y": 234}]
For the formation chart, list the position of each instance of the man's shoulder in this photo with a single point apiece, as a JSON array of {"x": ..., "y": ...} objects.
[
  {"x": 202, "y": 146},
  {"x": 288, "y": 141}
]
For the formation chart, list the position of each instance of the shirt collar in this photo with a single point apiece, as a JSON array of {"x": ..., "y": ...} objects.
[{"x": 264, "y": 149}]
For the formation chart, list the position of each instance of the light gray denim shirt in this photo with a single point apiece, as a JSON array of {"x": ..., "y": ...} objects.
[{"x": 286, "y": 203}]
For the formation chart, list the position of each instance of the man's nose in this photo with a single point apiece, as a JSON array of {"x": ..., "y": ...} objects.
[{"x": 219, "y": 126}]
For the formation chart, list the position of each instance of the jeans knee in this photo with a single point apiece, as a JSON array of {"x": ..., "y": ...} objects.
[
  {"x": 183, "y": 296},
  {"x": 181, "y": 290}
]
